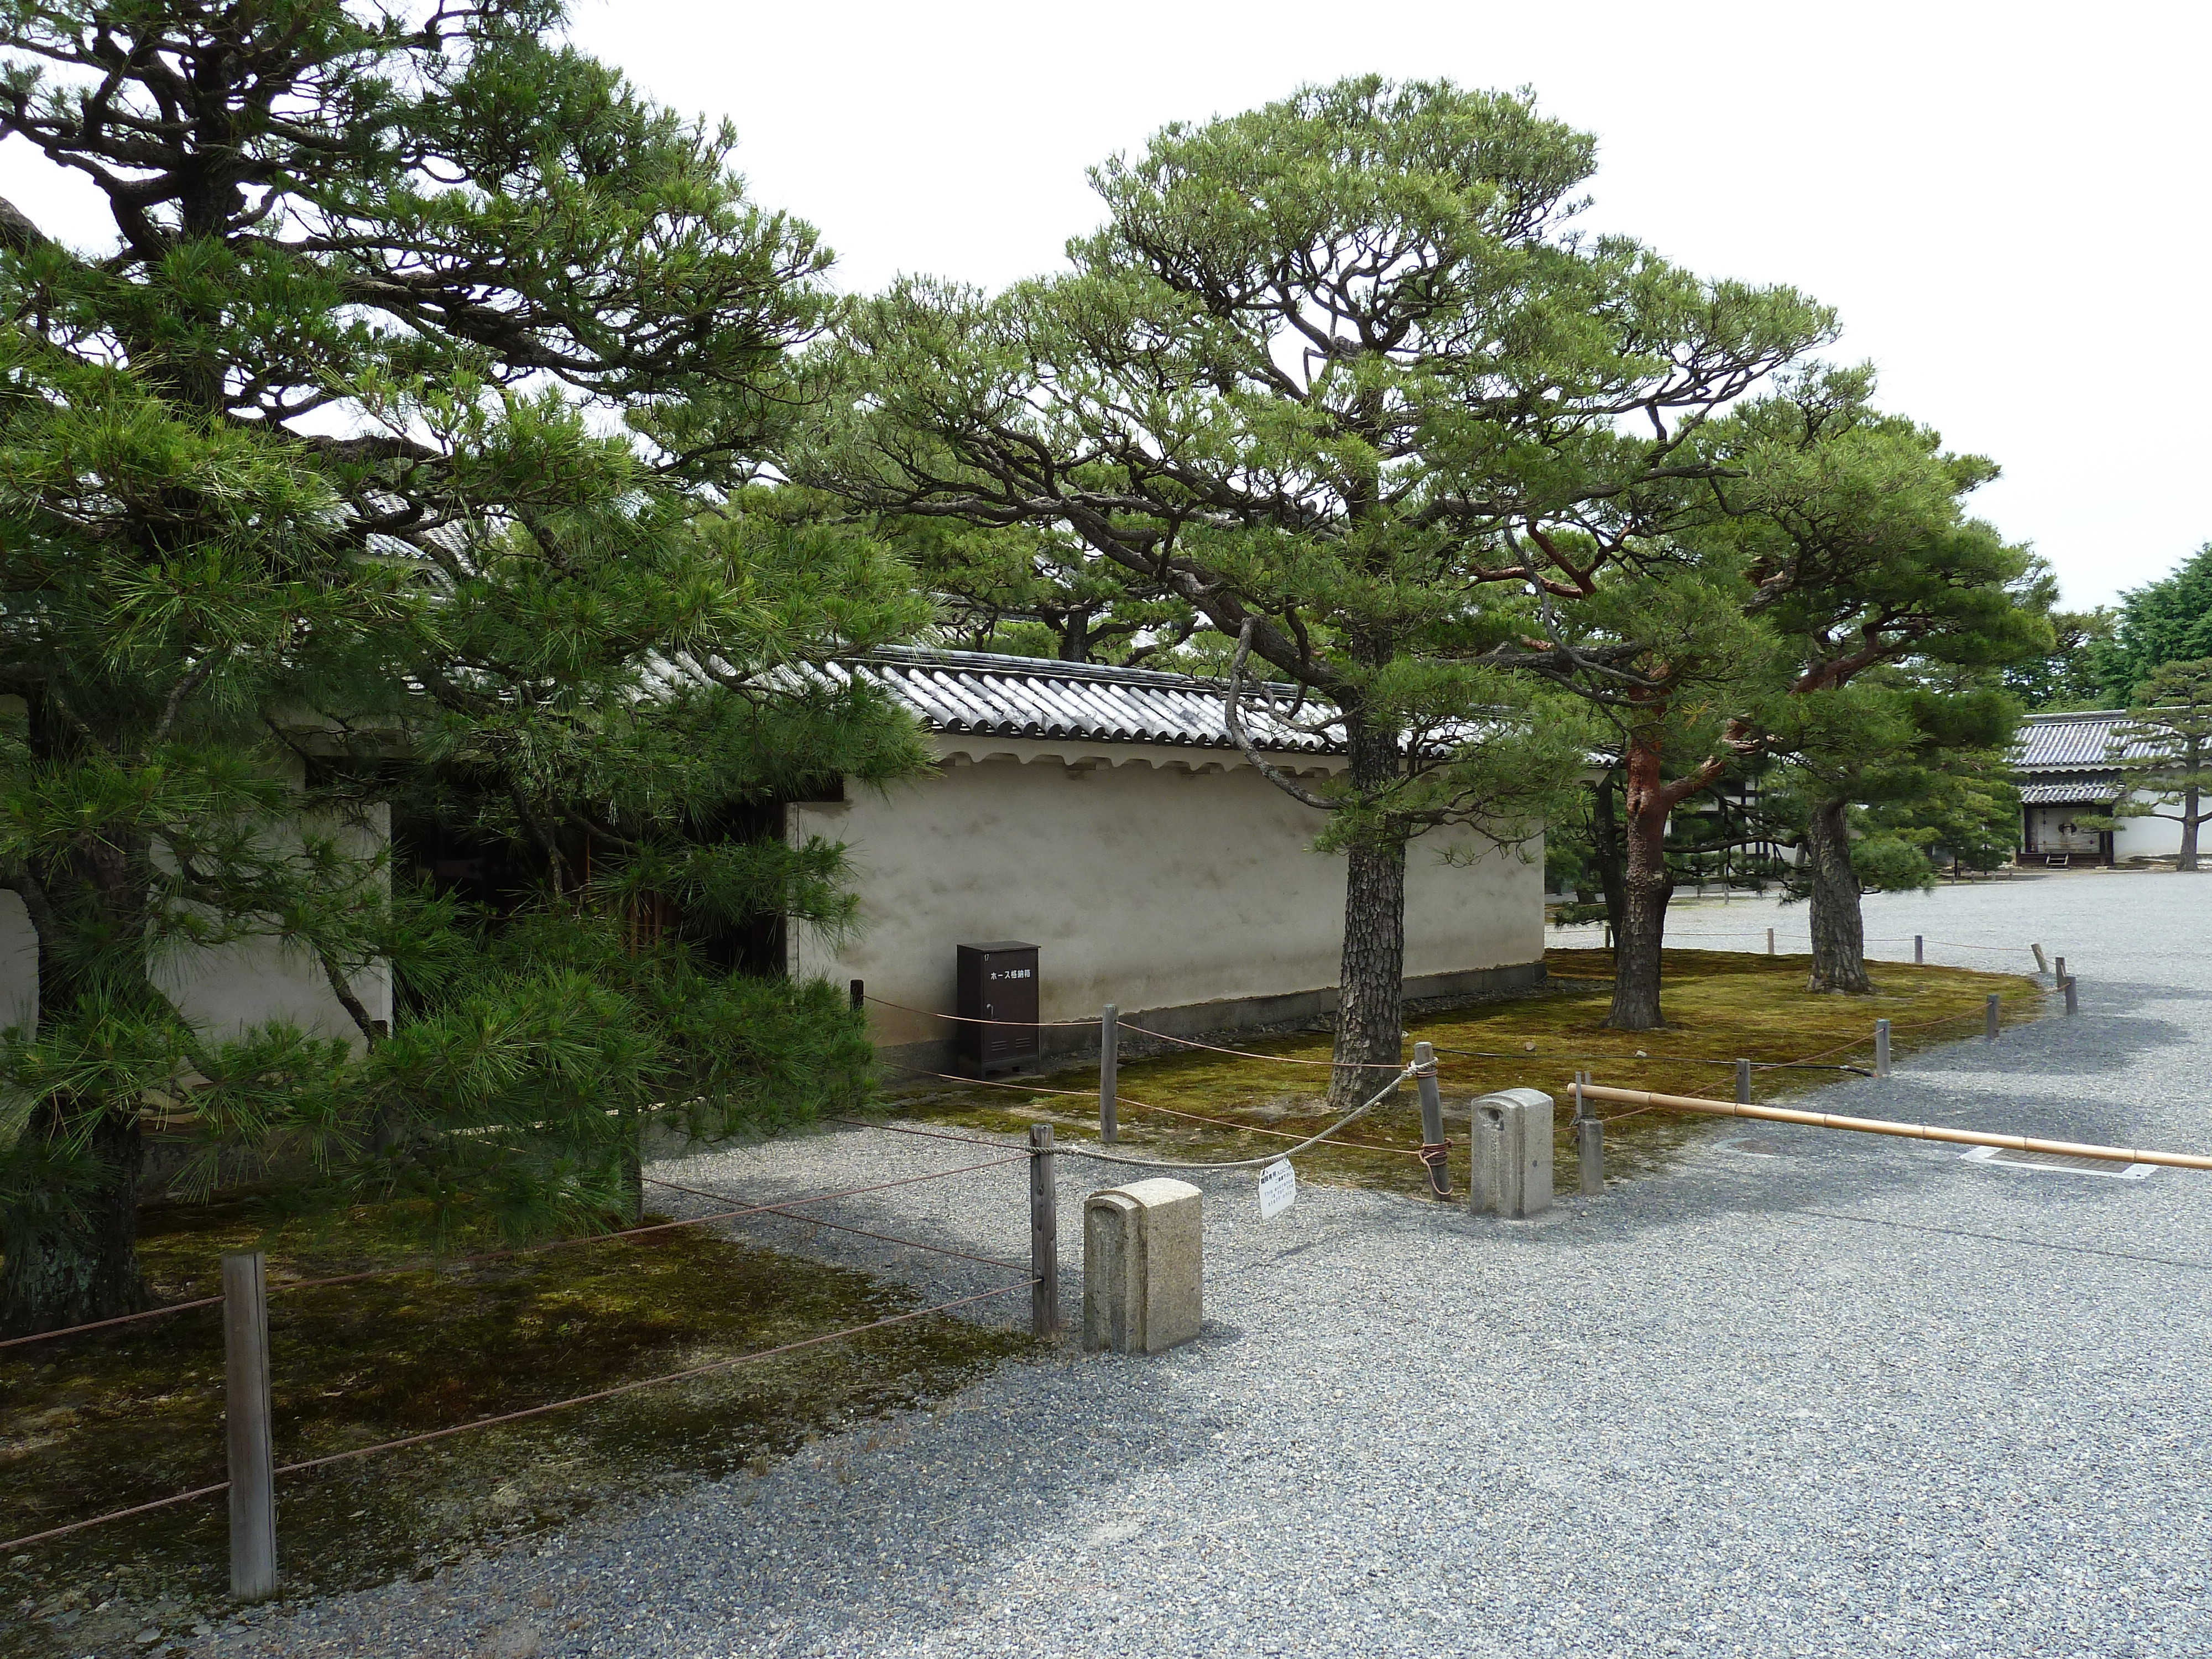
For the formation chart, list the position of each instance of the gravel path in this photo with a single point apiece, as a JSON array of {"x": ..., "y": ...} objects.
[{"x": 1836, "y": 1396}]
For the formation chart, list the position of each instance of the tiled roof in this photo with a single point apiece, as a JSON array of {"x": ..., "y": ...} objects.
[
  {"x": 2062, "y": 742},
  {"x": 2077, "y": 792},
  {"x": 1042, "y": 697}
]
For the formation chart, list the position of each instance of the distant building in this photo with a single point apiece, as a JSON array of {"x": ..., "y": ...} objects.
[
  {"x": 1106, "y": 816},
  {"x": 2068, "y": 773}
]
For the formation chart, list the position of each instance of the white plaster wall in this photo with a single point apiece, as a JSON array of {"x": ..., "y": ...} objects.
[
  {"x": 1143, "y": 884},
  {"x": 2140, "y": 838},
  {"x": 226, "y": 989}
]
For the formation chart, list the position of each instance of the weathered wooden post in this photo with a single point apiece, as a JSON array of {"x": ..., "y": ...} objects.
[
  {"x": 1433, "y": 1149},
  {"x": 1743, "y": 1082},
  {"x": 859, "y": 993},
  {"x": 1044, "y": 1234},
  {"x": 1590, "y": 1141},
  {"x": 2072, "y": 1002},
  {"x": 1770, "y": 941},
  {"x": 1881, "y": 1047},
  {"x": 2041, "y": 966},
  {"x": 1990, "y": 1018},
  {"x": 1919, "y": 951},
  {"x": 1110, "y": 1073},
  {"x": 2060, "y": 975},
  {"x": 245, "y": 1425}
]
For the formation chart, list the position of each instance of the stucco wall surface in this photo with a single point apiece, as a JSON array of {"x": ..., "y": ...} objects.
[
  {"x": 224, "y": 989},
  {"x": 2140, "y": 838},
  {"x": 1150, "y": 880}
]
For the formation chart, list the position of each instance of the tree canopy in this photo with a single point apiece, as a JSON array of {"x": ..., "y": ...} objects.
[
  {"x": 395, "y": 458},
  {"x": 1340, "y": 375}
]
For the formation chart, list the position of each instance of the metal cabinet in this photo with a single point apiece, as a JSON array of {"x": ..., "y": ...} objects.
[{"x": 996, "y": 998}]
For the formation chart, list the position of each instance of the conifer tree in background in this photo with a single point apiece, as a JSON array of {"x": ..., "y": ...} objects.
[
  {"x": 393, "y": 458},
  {"x": 2164, "y": 754},
  {"x": 2169, "y": 620},
  {"x": 1339, "y": 375}
]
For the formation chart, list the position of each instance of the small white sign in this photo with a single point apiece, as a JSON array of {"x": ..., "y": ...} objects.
[{"x": 1278, "y": 1188}]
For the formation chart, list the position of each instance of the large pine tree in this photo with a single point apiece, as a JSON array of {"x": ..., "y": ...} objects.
[{"x": 396, "y": 451}]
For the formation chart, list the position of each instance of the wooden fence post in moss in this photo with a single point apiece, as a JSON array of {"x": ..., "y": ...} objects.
[
  {"x": 246, "y": 1422},
  {"x": 1044, "y": 1234}
]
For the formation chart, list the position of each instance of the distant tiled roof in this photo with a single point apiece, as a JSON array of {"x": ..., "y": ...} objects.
[
  {"x": 2075, "y": 792},
  {"x": 2064, "y": 743},
  {"x": 1041, "y": 697}
]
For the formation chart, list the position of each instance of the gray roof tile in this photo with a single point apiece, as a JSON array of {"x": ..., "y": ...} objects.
[
  {"x": 1039, "y": 697},
  {"x": 2059, "y": 743}
]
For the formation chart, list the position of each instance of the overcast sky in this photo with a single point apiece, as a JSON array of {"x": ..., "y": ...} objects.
[{"x": 2007, "y": 202}]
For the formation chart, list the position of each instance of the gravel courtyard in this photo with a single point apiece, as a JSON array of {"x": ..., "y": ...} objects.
[{"x": 1818, "y": 1394}]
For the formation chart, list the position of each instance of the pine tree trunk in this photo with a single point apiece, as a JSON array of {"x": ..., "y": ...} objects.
[
  {"x": 1645, "y": 888},
  {"x": 72, "y": 1274},
  {"x": 1838, "y": 928},
  {"x": 1371, "y": 978},
  {"x": 2191, "y": 804}
]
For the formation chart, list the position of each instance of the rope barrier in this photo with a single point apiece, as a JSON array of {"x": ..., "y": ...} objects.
[
  {"x": 1388, "y": 1089},
  {"x": 102, "y": 1324},
  {"x": 624, "y": 1236},
  {"x": 969, "y": 1019},
  {"x": 839, "y": 1226},
  {"x": 1194, "y": 1117},
  {"x": 528, "y": 1411},
  {"x": 1272, "y": 1060}
]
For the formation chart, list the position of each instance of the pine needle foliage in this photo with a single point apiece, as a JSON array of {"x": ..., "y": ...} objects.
[{"x": 396, "y": 460}]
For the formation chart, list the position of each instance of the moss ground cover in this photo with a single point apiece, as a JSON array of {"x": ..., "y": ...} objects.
[
  {"x": 108, "y": 1419},
  {"x": 1719, "y": 1004}
]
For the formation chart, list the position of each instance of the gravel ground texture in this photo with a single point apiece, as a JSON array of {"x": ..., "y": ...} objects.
[{"x": 1811, "y": 1393}]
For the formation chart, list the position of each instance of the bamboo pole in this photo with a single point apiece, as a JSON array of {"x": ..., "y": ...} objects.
[{"x": 1875, "y": 1126}]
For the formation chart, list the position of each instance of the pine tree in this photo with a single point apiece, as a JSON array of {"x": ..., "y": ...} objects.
[
  {"x": 1338, "y": 375},
  {"x": 395, "y": 458},
  {"x": 2164, "y": 754}
]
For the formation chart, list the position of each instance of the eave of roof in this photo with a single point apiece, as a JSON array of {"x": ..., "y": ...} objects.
[{"x": 976, "y": 691}]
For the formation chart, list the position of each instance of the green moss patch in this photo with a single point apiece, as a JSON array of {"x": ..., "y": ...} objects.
[
  {"x": 109, "y": 1419},
  {"x": 1719, "y": 1006}
]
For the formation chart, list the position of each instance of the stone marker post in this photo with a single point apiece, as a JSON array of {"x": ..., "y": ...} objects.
[
  {"x": 1143, "y": 1267},
  {"x": 1512, "y": 1131}
]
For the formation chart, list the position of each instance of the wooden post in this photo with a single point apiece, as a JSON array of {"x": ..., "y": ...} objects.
[
  {"x": 2041, "y": 966},
  {"x": 2072, "y": 1002},
  {"x": 1743, "y": 1081},
  {"x": 1881, "y": 1047},
  {"x": 1770, "y": 941},
  {"x": 1110, "y": 1073},
  {"x": 1044, "y": 1234},
  {"x": 245, "y": 1425},
  {"x": 860, "y": 994},
  {"x": 1432, "y": 1118},
  {"x": 2060, "y": 976},
  {"x": 1589, "y": 1142},
  {"x": 1990, "y": 1019},
  {"x": 1919, "y": 951}
]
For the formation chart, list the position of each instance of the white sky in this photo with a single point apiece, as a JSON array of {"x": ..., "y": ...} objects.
[{"x": 2007, "y": 202}]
